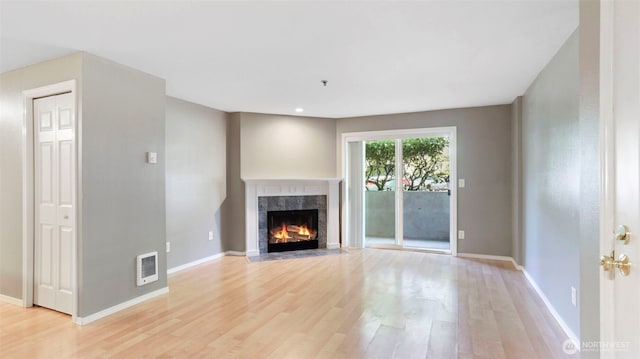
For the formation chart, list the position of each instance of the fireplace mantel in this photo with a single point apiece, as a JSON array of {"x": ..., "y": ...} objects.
[{"x": 255, "y": 188}]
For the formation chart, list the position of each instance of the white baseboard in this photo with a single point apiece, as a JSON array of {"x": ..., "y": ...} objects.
[
  {"x": 204, "y": 260},
  {"x": 195, "y": 263},
  {"x": 11, "y": 300},
  {"x": 252, "y": 253},
  {"x": 333, "y": 245},
  {"x": 492, "y": 257},
  {"x": 234, "y": 253},
  {"x": 116, "y": 308},
  {"x": 554, "y": 313}
]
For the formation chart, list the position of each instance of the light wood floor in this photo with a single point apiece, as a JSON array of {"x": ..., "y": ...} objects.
[{"x": 369, "y": 303}]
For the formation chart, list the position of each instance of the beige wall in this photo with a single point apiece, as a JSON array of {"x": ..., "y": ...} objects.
[
  {"x": 484, "y": 161},
  {"x": 276, "y": 146},
  {"x": 196, "y": 181},
  {"x": 12, "y": 84}
]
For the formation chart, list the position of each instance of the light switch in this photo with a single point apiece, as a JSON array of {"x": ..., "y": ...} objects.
[
  {"x": 461, "y": 183},
  {"x": 152, "y": 157}
]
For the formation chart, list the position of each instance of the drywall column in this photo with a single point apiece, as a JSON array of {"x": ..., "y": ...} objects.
[
  {"x": 233, "y": 214},
  {"x": 123, "y": 197}
]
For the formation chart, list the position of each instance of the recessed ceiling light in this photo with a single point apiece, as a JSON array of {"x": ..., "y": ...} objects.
[{"x": 299, "y": 109}]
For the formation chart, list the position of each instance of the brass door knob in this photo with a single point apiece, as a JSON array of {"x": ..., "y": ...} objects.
[
  {"x": 622, "y": 263},
  {"x": 606, "y": 262}
]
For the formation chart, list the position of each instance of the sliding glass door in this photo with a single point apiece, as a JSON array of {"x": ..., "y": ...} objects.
[
  {"x": 401, "y": 195},
  {"x": 425, "y": 196}
]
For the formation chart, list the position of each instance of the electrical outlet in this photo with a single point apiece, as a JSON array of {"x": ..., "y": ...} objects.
[
  {"x": 574, "y": 297},
  {"x": 461, "y": 183},
  {"x": 460, "y": 234},
  {"x": 210, "y": 235},
  {"x": 168, "y": 247}
]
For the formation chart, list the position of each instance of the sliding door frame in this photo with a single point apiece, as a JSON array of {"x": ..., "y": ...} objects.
[{"x": 353, "y": 204}]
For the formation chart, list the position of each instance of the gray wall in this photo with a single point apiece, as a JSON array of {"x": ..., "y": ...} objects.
[
  {"x": 11, "y": 118},
  {"x": 233, "y": 216},
  {"x": 589, "y": 246},
  {"x": 425, "y": 215},
  {"x": 517, "y": 250},
  {"x": 123, "y": 197},
  {"x": 484, "y": 161},
  {"x": 195, "y": 179},
  {"x": 551, "y": 180}
]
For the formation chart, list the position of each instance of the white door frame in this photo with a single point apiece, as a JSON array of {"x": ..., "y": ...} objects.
[
  {"x": 395, "y": 134},
  {"x": 616, "y": 27},
  {"x": 607, "y": 163},
  {"x": 28, "y": 208}
]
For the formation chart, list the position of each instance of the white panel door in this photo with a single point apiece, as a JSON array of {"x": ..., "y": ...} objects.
[
  {"x": 54, "y": 181},
  {"x": 620, "y": 106}
]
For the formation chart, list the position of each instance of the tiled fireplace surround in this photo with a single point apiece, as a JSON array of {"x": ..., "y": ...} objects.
[{"x": 264, "y": 195}]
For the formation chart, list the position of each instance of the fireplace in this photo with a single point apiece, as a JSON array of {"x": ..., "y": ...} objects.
[
  {"x": 292, "y": 230},
  {"x": 275, "y": 195},
  {"x": 281, "y": 219}
]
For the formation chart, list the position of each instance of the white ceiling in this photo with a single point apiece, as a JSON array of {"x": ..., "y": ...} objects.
[{"x": 264, "y": 56}]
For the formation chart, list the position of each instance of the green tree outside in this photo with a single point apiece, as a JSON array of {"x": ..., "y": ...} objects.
[{"x": 425, "y": 162}]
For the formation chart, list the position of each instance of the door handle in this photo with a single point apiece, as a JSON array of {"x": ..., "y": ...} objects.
[{"x": 622, "y": 263}]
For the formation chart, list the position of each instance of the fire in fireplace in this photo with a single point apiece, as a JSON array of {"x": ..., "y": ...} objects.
[{"x": 292, "y": 230}]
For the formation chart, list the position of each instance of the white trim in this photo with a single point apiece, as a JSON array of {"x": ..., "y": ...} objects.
[
  {"x": 607, "y": 169},
  {"x": 453, "y": 183},
  {"x": 352, "y": 233},
  {"x": 333, "y": 245},
  {"x": 552, "y": 310},
  {"x": 492, "y": 257},
  {"x": 204, "y": 260},
  {"x": 396, "y": 247},
  {"x": 116, "y": 308},
  {"x": 399, "y": 196},
  {"x": 195, "y": 263},
  {"x": 28, "y": 189},
  {"x": 394, "y": 134},
  {"x": 11, "y": 300},
  {"x": 450, "y": 131},
  {"x": 252, "y": 253},
  {"x": 234, "y": 253}
]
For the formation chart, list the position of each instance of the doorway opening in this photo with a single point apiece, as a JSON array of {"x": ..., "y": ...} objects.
[{"x": 399, "y": 189}]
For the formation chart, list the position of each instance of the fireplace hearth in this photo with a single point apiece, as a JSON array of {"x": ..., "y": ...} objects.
[{"x": 292, "y": 230}]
